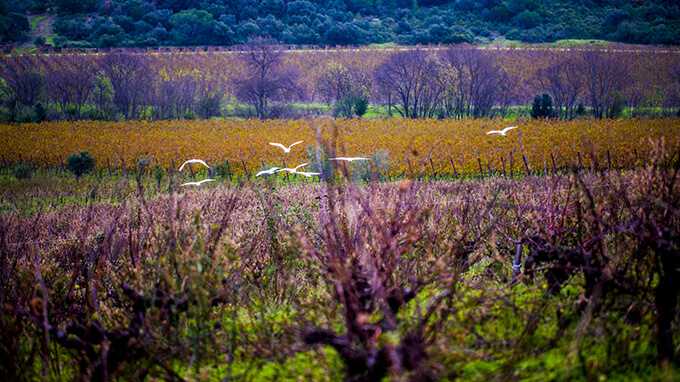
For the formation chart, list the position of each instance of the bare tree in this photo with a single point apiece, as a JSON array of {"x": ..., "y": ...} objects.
[
  {"x": 506, "y": 91},
  {"x": 606, "y": 78},
  {"x": 673, "y": 86},
  {"x": 130, "y": 78},
  {"x": 70, "y": 81},
  {"x": 412, "y": 78},
  {"x": 174, "y": 96},
  {"x": 268, "y": 84},
  {"x": 343, "y": 85},
  {"x": 564, "y": 81},
  {"x": 335, "y": 82},
  {"x": 24, "y": 83},
  {"x": 472, "y": 81}
]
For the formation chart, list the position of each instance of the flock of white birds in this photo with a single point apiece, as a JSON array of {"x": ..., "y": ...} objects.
[{"x": 294, "y": 170}]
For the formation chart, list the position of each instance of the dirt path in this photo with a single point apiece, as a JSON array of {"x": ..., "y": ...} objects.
[{"x": 40, "y": 28}]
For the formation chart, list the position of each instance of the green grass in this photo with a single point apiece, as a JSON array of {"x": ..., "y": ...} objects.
[{"x": 35, "y": 20}]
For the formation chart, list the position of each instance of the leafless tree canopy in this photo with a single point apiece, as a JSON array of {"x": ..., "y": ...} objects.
[
  {"x": 23, "y": 83},
  {"x": 473, "y": 81},
  {"x": 127, "y": 71},
  {"x": 72, "y": 82},
  {"x": 564, "y": 82},
  {"x": 269, "y": 84},
  {"x": 411, "y": 77},
  {"x": 339, "y": 80},
  {"x": 605, "y": 76}
]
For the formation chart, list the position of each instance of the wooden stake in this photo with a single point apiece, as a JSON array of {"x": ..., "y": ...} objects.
[
  {"x": 410, "y": 169},
  {"x": 434, "y": 174},
  {"x": 245, "y": 169},
  {"x": 526, "y": 165},
  {"x": 552, "y": 157},
  {"x": 455, "y": 173}
]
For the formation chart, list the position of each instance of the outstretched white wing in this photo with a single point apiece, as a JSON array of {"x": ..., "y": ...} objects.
[
  {"x": 267, "y": 172},
  {"x": 302, "y": 165},
  {"x": 350, "y": 159},
  {"x": 284, "y": 148},
  {"x": 193, "y": 161},
  {"x": 197, "y": 183},
  {"x": 509, "y": 128},
  {"x": 308, "y": 174}
]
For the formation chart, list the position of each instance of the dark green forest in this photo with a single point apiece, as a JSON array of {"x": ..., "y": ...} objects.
[{"x": 143, "y": 23}]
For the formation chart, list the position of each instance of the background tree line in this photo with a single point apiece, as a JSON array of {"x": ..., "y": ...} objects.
[
  {"x": 265, "y": 80},
  {"x": 136, "y": 23}
]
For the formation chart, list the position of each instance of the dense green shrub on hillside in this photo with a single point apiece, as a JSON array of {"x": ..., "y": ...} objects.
[
  {"x": 213, "y": 22},
  {"x": 80, "y": 163}
]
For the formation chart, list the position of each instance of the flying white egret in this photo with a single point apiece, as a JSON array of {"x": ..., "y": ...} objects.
[
  {"x": 285, "y": 149},
  {"x": 197, "y": 183},
  {"x": 270, "y": 171},
  {"x": 501, "y": 132},
  {"x": 293, "y": 170},
  {"x": 350, "y": 159},
  {"x": 193, "y": 161},
  {"x": 307, "y": 173}
]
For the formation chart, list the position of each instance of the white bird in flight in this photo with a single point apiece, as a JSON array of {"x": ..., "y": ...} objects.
[
  {"x": 285, "y": 149},
  {"x": 293, "y": 170},
  {"x": 501, "y": 132},
  {"x": 193, "y": 161},
  {"x": 270, "y": 171},
  {"x": 197, "y": 183},
  {"x": 350, "y": 159},
  {"x": 307, "y": 174}
]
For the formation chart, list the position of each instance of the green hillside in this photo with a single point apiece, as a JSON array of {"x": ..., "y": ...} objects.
[{"x": 141, "y": 23}]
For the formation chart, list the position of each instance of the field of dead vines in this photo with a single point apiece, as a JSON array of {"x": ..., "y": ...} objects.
[{"x": 121, "y": 275}]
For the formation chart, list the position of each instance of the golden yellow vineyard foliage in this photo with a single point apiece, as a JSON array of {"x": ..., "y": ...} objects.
[{"x": 426, "y": 145}]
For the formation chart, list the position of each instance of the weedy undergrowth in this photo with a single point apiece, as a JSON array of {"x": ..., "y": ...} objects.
[{"x": 560, "y": 277}]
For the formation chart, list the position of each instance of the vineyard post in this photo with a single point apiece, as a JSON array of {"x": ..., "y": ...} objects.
[
  {"x": 580, "y": 162},
  {"x": 545, "y": 167},
  {"x": 191, "y": 170},
  {"x": 455, "y": 173},
  {"x": 609, "y": 161},
  {"x": 552, "y": 158},
  {"x": 526, "y": 165},
  {"x": 481, "y": 172},
  {"x": 511, "y": 164},
  {"x": 284, "y": 165},
  {"x": 228, "y": 169},
  {"x": 503, "y": 164},
  {"x": 517, "y": 261},
  {"x": 410, "y": 169},
  {"x": 245, "y": 169},
  {"x": 434, "y": 173}
]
